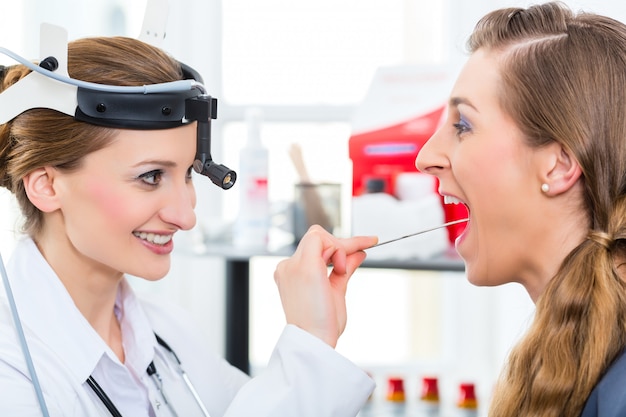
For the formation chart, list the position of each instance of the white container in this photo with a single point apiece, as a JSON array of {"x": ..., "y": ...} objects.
[
  {"x": 251, "y": 228},
  {"x": 388, "y": 218}
]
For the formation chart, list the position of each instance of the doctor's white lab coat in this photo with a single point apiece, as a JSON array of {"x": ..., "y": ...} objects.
[{"x": 304, "y": 377}]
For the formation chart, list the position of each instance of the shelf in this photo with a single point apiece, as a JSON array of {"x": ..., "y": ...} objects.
[{"x": 447, "y": 261}]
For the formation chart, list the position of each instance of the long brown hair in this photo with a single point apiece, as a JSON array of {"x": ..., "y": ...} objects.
[
  {"x": 563, "y": 79},
  {"x": 42, "y": 137}
]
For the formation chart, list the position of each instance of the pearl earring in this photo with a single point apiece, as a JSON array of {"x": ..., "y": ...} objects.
[{"x": 545, "y": 187}]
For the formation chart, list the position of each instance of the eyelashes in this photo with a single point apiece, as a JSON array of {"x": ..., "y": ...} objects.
[
  {"x": 462, "y": 126},
  {"x": 154, "y": 177}
]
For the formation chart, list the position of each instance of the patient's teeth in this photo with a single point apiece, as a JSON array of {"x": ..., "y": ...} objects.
[{"x": 447, "y": 199}]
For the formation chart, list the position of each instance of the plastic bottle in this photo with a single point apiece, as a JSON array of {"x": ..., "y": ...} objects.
[
  {"x": 429, "y": 402},
  {"x": 251, "y": 229},
  {"x": 396, "y": 397},
  {"x": 467, "y": 405}
]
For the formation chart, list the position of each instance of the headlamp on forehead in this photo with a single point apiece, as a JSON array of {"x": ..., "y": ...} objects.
[{"x": 154, "y": 106}]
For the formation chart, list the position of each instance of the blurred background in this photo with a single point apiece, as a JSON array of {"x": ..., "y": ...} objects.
[{"x": 307, "y": 66}]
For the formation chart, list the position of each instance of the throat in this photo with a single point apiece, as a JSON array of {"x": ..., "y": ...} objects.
[
  {"x": 110, "y": 330},
  {"x": 114, "y": 339}
]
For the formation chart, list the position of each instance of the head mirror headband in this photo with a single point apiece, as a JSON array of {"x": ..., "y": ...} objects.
[{"x": 154, "y": 106}]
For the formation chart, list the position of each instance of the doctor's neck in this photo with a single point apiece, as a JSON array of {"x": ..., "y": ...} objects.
[{"x": 93, "y": 289}]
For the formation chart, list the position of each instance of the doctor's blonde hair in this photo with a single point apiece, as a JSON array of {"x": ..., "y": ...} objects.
[
  {"x": 563, "y": 79},
  {"x": 43, "y": 137}
]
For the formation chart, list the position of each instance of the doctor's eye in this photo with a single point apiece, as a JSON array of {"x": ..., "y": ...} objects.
[
  {"x": 152, "y": 178},
  {"x": 462, "y": 126}
]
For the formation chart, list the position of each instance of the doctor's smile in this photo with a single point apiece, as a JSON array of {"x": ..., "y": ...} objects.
[
  {"x": 156, "y": 238},
  {"x": 158, "y": 243}
]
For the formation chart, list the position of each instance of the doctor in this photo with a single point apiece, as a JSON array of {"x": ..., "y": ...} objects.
[{"x": 99, "y": 202}]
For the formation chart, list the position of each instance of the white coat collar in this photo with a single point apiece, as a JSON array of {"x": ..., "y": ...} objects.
[{"x": 49, "y": 314}]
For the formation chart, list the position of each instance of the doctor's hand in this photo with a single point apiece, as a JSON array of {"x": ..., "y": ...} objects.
[{"x": 312, "y": 298}]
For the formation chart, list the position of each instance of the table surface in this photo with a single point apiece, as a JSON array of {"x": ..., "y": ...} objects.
[{"x": 445, "y": 261}]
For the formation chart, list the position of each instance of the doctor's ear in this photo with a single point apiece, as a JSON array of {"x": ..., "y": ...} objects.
[
  {"x": 39, "y": 187},
  {"x": 562, "y": 170}
]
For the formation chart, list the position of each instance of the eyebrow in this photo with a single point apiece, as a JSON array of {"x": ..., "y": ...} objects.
[
  {"x": 456, "y": 101},
  {"x": 160, "y": 162}
]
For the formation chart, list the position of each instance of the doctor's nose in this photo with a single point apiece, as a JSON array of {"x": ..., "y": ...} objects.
[
  {"x": 179, "y": 209},
  {"x": 432, "y": 158}
]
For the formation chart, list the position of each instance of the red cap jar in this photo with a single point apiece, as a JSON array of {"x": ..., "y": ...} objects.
[
  {"x": 395, "y": 389},
  {"x": 430, "y": 390},
  {"x": 467, "y": 396}
]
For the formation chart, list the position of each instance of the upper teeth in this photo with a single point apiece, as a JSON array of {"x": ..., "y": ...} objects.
[
  {"x": 153, "y": 238},
  {"x": 448, "y": 199}
]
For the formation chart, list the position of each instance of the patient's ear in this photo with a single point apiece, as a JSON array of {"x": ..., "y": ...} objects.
[
  {"x": 563, "y": 171},
  {"x": 39, "y": 187}
]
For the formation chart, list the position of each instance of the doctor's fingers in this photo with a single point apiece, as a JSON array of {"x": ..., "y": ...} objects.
[
  {"x": 332, "y": 249},
  {"x": 317, "y": 250},
  {"x": 350, "y": 245},
  {"x": 357, "y": 243},
  {"x": 352, "y": 262},
  {"x": 317, "y": 246},
  {"x": 348, "y": 253}
]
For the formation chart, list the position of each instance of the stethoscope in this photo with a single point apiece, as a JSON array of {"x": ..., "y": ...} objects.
[
  {"x": 154, "y": 375},
  {"x": 152, "y": 371}
]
